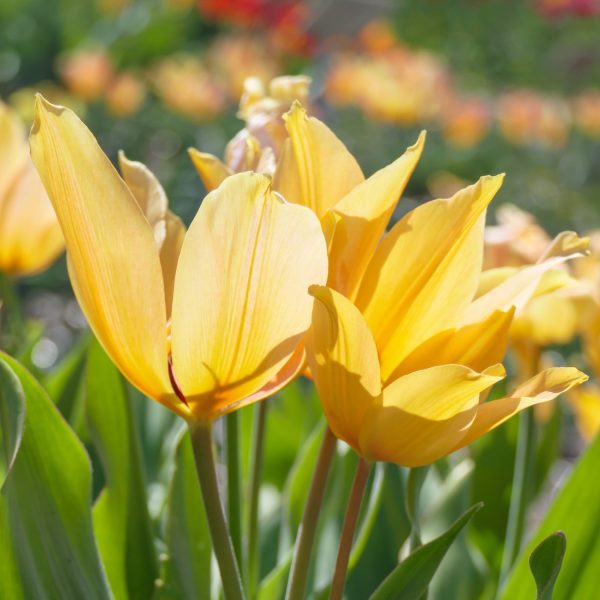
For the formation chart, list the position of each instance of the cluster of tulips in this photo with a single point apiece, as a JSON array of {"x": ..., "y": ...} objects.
[{"x": 288, "y": 269}]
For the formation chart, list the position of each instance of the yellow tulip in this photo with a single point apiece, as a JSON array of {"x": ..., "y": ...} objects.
[
  {"x": 402, "y": 372},
  {"x": 204, "y": 322},
  {"x": 30, "y": 237},
  {"x": 585, "y": 402}
]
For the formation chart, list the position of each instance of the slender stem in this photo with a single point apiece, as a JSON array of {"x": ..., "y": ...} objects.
[
  {"x": 522, "y": 477},
  {"x": 308, "y": 526},
  {"x": 341, "y": 565},
  {"x": 234, "y": 483},
  {"x": 416, "y": 479},
  {"x": 11, "y": 312},
  {"x": 255, "y": 478},
  {"x": 201, "y": 434}
]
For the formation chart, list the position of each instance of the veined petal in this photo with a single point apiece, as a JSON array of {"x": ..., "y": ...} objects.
[
  {"x": 316, "y": 169},
  {"x": 241, "y": 305},
  {"x": 477, "y": 346},
  {"x": 425, "y": 272},
  {"x": 361, "y": 218},
  {"x": 343, "y": 362},
  {"x": 112, "y": 250},
  {"x": 520, "y": 287},
  {"x": 424, "y": 414},
  {"x": 30, "y": 236},
  {"x": 545, "y": 386},
  {"x": 168, "y": 228},
  {"x": 211, "y": 170}
]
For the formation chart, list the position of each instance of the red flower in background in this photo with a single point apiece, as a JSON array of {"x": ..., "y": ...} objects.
[{"x": 559, "y": 8}]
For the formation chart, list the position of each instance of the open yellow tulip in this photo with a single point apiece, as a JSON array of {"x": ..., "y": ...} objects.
[
  {"x": 30, "y": 236},
  {"x": 204, "y": 322},
  {"x": 402, "y": 372}
]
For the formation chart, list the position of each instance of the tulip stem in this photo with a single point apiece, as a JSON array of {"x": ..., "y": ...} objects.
[
  {"x": 352, "y": 511},
  {"x": 202, "y": 443},
  {"x": 521, "y": 487},
  {"x": 233, "y": 482},
  {"x": 308, "y": 525},
  {"x": 12, "y": 313},
  {"x": 255, "y": 479}
]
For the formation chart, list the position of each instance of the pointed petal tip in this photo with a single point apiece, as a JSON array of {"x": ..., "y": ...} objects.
[
  {"x": 41, "y": 107},
  {"x": 297, "y": 109}
]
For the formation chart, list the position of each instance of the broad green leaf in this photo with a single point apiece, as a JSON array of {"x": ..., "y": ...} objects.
[
  {"x": 187, "y": 568},
  {"x": 47, "y": 532},
  {"x": 410, "y": 578},
  {"x": 545, "y": 562},
  {"x": 575, "y": 512},
  {"x": 121, "y": 520},
  {"x": 273, "y": 585},
  {"x": 12, "y": 419}
]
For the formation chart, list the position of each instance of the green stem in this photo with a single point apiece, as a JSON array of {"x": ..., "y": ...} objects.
[
  {"x": 201, "y": 434},
  {"x": 416, "y": 479},
  {"x": 11, "y": 313},
  {"x": 308, "y": 526},
  {"x": 255, "y": 479},
  {"x": 521, "y": 487},
  {"x": 234, "y": 483},
  {"x": 341, "y": 565}
]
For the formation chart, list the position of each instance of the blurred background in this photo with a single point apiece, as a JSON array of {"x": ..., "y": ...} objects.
[{"x": 501, "y": 86}]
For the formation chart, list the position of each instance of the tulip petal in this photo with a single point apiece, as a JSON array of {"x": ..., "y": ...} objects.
[
  {"x": 425, "y": 272},
  {"x": 543, "y": 387},
  {"x": 30, "y": 236},
  {"x": 168, "y": 228},
  {"x": 13, "y": 148},
  {"x": 211, "y": 170},
  {"x": 343, "y": 362},
  {"x": 241, "y": 304},
  {"x": 361, "y": 218},
  {"x": 424, "y": 414},
  {"x": 520, "y": 287},
  {"x": 477, "y": 346},
  {"x": 316, "y": 169},
  {"x": 112, "y": 250}
]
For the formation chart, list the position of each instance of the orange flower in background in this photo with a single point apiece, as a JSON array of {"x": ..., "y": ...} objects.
[
  {"x": 30, "y": 236},
  {"x": 586, "y": 113},
  {"x": 204, "y": 322},
  {"x": 466, "y": 122},
  {"x": 187, "y": 86},
  {"x": 125, "y": 94},
  {"x": 86, "y": 73}
]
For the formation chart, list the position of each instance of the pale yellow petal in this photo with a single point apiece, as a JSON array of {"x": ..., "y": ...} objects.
[
  {"x": 111, "y": 247},
  {"x": 343, "y": 362},
  {"x": 30, "y": 236},
  {"x": 425, "y": 272},
  {"x": 319, "y": 171},
  {"x": 543, "y": 387},
  {"x": 211, "y": 170},
  {"x": 241, "y": 305},
  {"x": 361, "y": 218},
  {"x": 13, "y": 148},
  {"x": 424, "y": 414},
  {"x": 520, "y": 287},
  {"x": 478, "y": 346},
  {"x": 168, "y": 228}
]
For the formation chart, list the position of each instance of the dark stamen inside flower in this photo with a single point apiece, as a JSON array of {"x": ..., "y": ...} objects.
[{"x": 174, "y": 384}]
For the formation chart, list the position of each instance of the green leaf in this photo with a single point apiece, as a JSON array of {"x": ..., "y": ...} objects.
[
  {"x": 12, "y": 419},
  {"x": 545, "y": 562},
  {"x": 410, "y": 578},
  {"x": 576, "y": 512},
  {"x": 187, "y": 570},
  {"x": 121, "y": 520},
  {"x": 273, "y": 585},
  {"x": 46, "y": 535}
]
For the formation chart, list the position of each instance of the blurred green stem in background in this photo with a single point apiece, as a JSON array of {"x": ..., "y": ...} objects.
[
  {"x": 12, "y": 320},
  {"x": 308, "y": 526},
  {"x": 202, "y": 443},
  {"x": 258, "y": 444},
  {"x": 234, "y": 482},
  {"x": 414, "y": 484},
  {"x": 361, "y": 477},
  {"x": 523, "y": 478}
]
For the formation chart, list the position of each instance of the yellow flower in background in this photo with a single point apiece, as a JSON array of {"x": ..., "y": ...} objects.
[
  {"x": 204, "y": 323},
  {"x": 258, "y": 145},
  {"x": 401, "y": 373},
  {"x": 30, "y": 237},
  {"x": 585, "y": 402}
]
